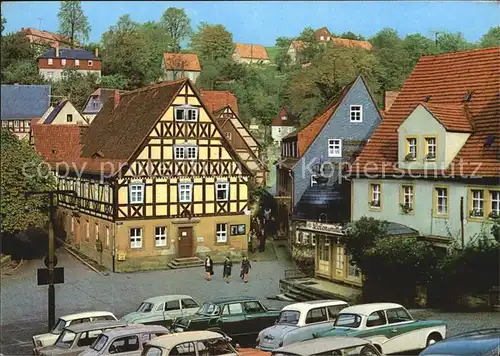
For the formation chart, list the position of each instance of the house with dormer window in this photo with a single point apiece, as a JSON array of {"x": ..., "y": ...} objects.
[
  {"x": 309, "y": 172},
  {"x": 432, "y": 164}
]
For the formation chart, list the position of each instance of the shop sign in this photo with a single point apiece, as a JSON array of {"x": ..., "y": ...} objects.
[{"x": 325, "y": 228}]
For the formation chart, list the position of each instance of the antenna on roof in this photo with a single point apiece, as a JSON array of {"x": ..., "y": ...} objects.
[
  {"x": 39, "y": 22},
  {"x": 427, "y": 98},
  {"x": 436, "y": 34},
  {"x": 468, "y": 95}
]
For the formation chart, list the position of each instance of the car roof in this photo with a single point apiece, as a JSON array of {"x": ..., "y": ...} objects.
[
  {"x": 95, "y": 325},
  {"x": 92, "y": 314},
  {"x": 166, "y": 298},
  {"x": 171, "y": 340},
  {"x": 478, "y": 342},
  {"x": 367, "y": 309},
  {"x": 303, "y": 306},
  {"x": 315, "y": 346},
  {"x": 135, "y": 328},
  {"x": 232, "y": 299}
]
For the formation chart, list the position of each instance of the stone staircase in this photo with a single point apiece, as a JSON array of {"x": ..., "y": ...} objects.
[
  {"x": 302, "y": 290},
  {"x": 185, "y": 262}
]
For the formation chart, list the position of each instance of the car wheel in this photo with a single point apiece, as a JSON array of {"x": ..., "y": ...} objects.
[
  {"x": 433, "y": 338},
  {"x": 367, "y": 351}
]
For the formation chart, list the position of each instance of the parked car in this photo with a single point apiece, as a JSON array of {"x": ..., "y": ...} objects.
[
  {"x": 331, "y": 346},
  {"x": 50, "y": 338},
  {"x": 191, "y": 343},
  {"x": 162, "y": 310},
  {"x": 128, "y": 341},
  {"x": 389, "y": 326},
  {"x": 242, "y": 318},
  {"x": 76, "y": 338},
  {"x": 475, "y": 343},
  {"x": 299, "y": 321}
]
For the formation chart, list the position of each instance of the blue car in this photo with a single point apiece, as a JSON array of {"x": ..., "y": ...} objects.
[{"x": 475, "y": 343}]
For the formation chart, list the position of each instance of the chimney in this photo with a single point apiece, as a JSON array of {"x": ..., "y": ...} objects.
[
  {"x": 96, "y": 52},
  {"x": 116, "y": 97},
  {"x": 57, "y": 49}
]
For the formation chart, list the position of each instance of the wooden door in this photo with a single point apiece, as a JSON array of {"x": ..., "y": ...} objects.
[
  {"x": 324, "y": 256},
  {"x": 185, "y": 238}
]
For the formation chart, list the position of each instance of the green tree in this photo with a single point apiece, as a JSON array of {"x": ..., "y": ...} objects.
[
  {"x": 491, "y": 38},
  {"x": 212, "y": 42},
  {"x": 417, "y": 46},
  {"x": 312, "y": 49},
  {"x": 283, "y": 60},
  {"x": 156, "y": 42},
  {"x": 352, "y": 36},
  {"x": 116, "y": 81},
  {"x": 73, "y": 22},
  {"x": 75, "y": 86},
  {"x": 22, "y": 72},
  {"x": 453, "y": 42},
  {"x": 21, "y": 170},
  {"x": 15, "y": 48},
  {"x": 4, "y": 21},
  {"x": 177, "y": 24}
]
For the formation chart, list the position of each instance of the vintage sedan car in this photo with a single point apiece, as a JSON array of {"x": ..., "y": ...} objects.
[
  {"x": 128, "y": 341},
  {"x": 162, "y": 310},
  {"x": 331, "y": 346},
  {"x": 475, "y": 343},
  {"x": 191, "y": 343},
  {"x": 389, "y": 326},
  {"x": 242, "y": 318},
  {"x": 78, "y": 337},
  {"x": 299, "y": 321},
  {"x": 50, "y": 338}
]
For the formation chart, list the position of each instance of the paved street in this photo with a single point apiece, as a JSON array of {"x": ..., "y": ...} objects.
[{"x": 24, "y": 311}]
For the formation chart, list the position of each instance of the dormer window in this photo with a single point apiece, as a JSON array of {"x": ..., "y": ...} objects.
[
  {"x": 50, "y": 61},
  {"x": 356, "y": 113},
  {"x": 186, "y": 113},
  {"x": 63, "y": 61},
  {"x": 430, "y": 148},
  {"x": 411, "y": 149}
]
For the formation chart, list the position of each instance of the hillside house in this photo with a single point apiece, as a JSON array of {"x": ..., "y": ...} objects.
[
  {"x": 44, "y": 38},
  {"x": 250, "y": 53},
  {"x": 181, "y": 65},
  {"x": 53, "y": 62},
  {"x": 282, "y": 125},
  {"x": 63, "y": 113},
  {"x": 96, "y": 101}
]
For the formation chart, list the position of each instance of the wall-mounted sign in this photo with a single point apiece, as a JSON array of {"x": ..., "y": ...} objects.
[
  {"x": 238, "y": 229},
  {"x": 327, "y": 228}
]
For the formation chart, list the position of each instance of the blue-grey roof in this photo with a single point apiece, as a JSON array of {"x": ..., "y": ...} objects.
[
  {"x": 24, "y": 101},
  {"x": 54, "y": 112},
  {"x": 69, "y": 53}
]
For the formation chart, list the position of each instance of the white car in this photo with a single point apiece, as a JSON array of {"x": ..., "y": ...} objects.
[
  {"x": 50, "y": 338},
  {"x": 299, "y": 321},
  {"x": 389, "y": 326}
]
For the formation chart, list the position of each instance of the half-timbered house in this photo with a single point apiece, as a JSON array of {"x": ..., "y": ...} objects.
[{"x": 155, "y": 179}]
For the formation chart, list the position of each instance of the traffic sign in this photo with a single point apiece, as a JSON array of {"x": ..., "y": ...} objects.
[
  {"x": 43, "y": 276},
  {"x": 46, "y": 261}
]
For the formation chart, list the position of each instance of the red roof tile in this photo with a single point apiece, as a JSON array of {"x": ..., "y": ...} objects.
[
  {"x": 389, "y": 99},
  {"x": 352, "y": 43},
  {"x": 452, "y": 116},
  {"x": 446, "y": 79},
  {"x": 218, "y": 99},
  {"x": 181, "y": 61},
  {"x": 251, "y": 51}
]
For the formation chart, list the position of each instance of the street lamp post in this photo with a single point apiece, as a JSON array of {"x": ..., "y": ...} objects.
[{"x": 51, "y": 258}]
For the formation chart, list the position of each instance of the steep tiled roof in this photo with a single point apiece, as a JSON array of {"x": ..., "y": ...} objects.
[
  {"x": 117, "y": 132},
  {"x": 352, "y": 43},
  {"x": 447, "y": 79},
  {"x": 182, "y": 61},
  {"x": 216, "y": 100},
  {"x": 452, "y": 116},
  {"x": 54, "y": 112},
  {"x": 103, "y": 94},
  {"x": 277, "y": 121},
  {"x": 24, "y": 101},
  {"x": 45, "y": 37},
  {"x": 70, "y": 53},
  {"x": 323, "y": 31},
  {"x": 251, "y": 51}
]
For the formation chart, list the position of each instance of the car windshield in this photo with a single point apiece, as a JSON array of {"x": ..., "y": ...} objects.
[
  {"x": 59, "y": 327},
  {"x": 208, "y": 309},
  {"x": 348, "y": 320},
  {"x": 145, "y": 307},
  {"x": 99, "y": 342},
  {"x": 66, "y": 339},
  {"x": 289, "y": 317}
]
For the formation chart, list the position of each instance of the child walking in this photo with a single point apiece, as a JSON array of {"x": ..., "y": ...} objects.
[
  {"x": 226, "y": 272},
  {"x": 245, "y": 268}
]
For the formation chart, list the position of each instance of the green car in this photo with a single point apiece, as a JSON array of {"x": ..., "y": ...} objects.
[
  {"x": 389, "y": 327},
  {"x": 241, "y": 318}
]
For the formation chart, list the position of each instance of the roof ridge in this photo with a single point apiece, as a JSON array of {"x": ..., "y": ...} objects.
[
  {"x": 457, "y": 53},
  {"x": 155, "y": 86}
]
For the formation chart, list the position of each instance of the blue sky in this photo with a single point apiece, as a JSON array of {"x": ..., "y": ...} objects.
[{"x": 262, "y": 22}]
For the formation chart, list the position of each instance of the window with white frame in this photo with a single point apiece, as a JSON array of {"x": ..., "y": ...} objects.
[
  {"x": 477, "y": 202},
  {"x": 185, "y": 152},
  {"x": 313, "y": 239},
  {"x": 334, "y": 148},
  {"x": 408, "y": 196},
  {"x": 430, "y": 143},
  {"x": 284, "y": 118},
  {"x": 136, "y": 193},
  {"x": 221, "y": 232},
  {"x": 77, "y": 62},
  {"x": 50, "y": 75},
  {"x": 179, "y": 152},
  {"x": 375, "y": 195},
  {"x": 356, "y": 113},
  {"x": 313, "y": 180},
  {"x": 411, "y": 147},
  {"x": 63, "y": 61},
  {"x": 90, "y": 63},
  {"x": 298, "y": 237},
  {"x": 339, "y": 260},
  {"x": 185, "y": 192},
  {"x": 186, "y": 113},
  {"x": 160, "y": 236},
  {"x": 50, "y": 61},
  {"x": 441, "y": 201},
  {"x": 107, "y": 236},
  {"x": 135, "y": 237},
  {"x": 495, "y": 204},
  {"x": 222, "y": 191},
  {"x": 191, "y": 152}
]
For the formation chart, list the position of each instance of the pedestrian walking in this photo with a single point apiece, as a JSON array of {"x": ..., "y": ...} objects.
[
  {"x": 245, "y": 268},
  {"x": 209, "y": 268},
  {"x": 226, "y": 272},
  {"x": 254, "y": 241}
]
